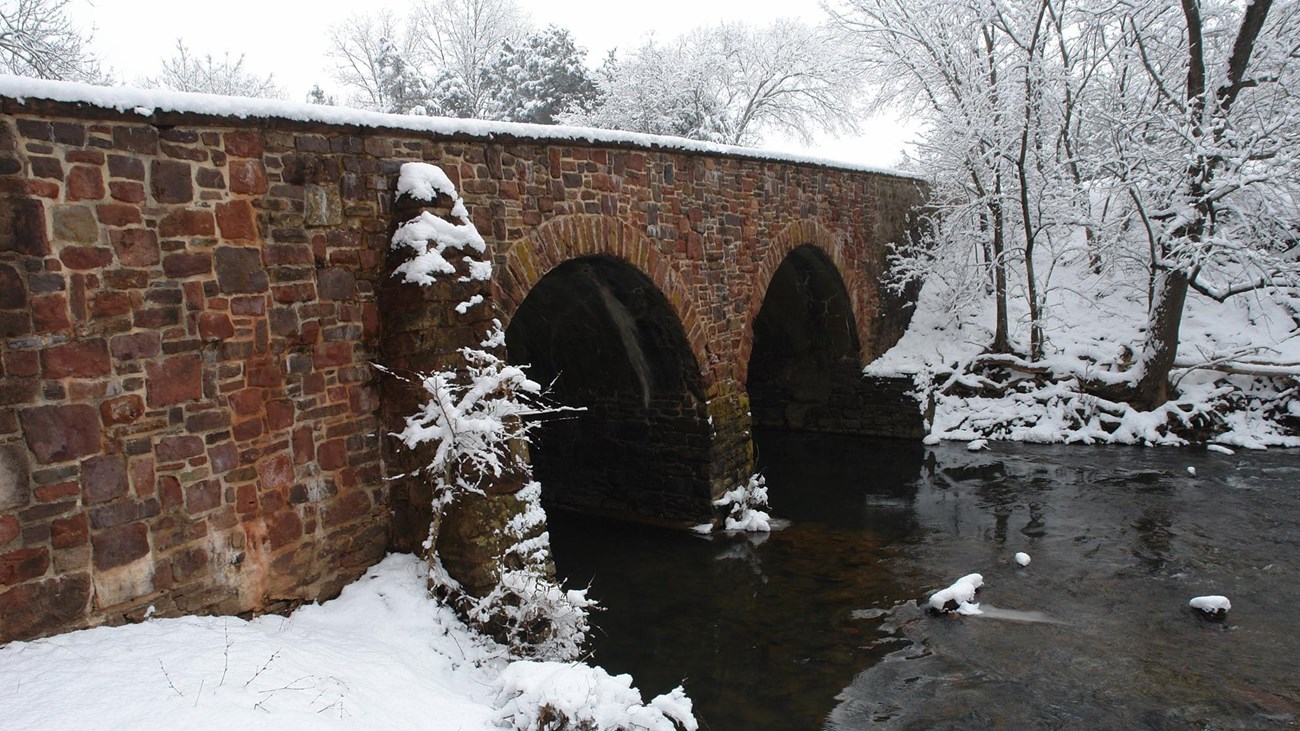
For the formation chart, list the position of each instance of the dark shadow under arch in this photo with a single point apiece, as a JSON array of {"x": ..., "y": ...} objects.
[
  {"x": 805, "y": 365},
  {"x": 604, "y": 338}
]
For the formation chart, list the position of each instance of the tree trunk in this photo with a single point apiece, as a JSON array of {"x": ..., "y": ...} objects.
[{"x": 1161, "y": 349}]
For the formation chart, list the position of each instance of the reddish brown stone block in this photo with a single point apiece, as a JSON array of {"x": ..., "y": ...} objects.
[
  {"x": 171, "y": 181},
  {"x": 119, "y": 545},
  {"x": 142, "y": 476},
  {"x": 82, "y": 359},
  {"x": 24, "y": 564},
  {"x": 203, "y": 496},
  {"x": 181, "y": 265},
  {"x": 246, "y": 430},
  {"x": 122, "y": 410},
  {"x": 22, "y": 363},
  {"x": 304, "y": 446},
  {"x": 332, "y": 454},
  {"x": 237, "y": 220},
  {"x": 9, "y": 529},
  {"x": 283, "y": 527},
  {"x": 109, "y": 304},
  {"x": 111, "y": 214},
  {"x": 137, "y": 346},
  {"x": 85, "y": 257},
  {"x": 240, "y": 271},
  {"x": 244, "y": 144},
  {"x": 142, "y": 140},
  {"x": 215, "y": 326},
  {"x": 224, "y": 457},
  {"x": 13, "y": 295},
  {"x": 28, "y": 609},
  {"x": 279, "y": 414},
  {"x": 126, "y": 192},
  {"x": 176, "y": 449},
  {"x": 56, "y": 492},
  {"x": 70, "y": 532},
  {"x": 22, "y": 226},
  {"x": 330, "y": 355},
  {"x": 246, "y": 499},
  {"x": 174, "y": 380},
  {"x": 246, "y": 402},
  {"x": 187, "y": 222},
  {"x": 135, "y": 247},
  {"x": 126, "y": 166},
  {"x": 102, "y": 479},
  {"x": 247, "y": 177},
  {"x": 85, "y": 183},
  {"x": 347, "y": 508},
  {"x": 275, "y": 472},
  {"x": 170, "y": 490},
  {"x": 61, "y": 433}
]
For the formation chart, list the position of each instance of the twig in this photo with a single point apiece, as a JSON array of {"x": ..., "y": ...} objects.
[
  {"x": 225, "y": 626},
  {"x": 200, "y": 693},
  {"x": 264, "y": 667},
  {"x": 170, "y": 684}
]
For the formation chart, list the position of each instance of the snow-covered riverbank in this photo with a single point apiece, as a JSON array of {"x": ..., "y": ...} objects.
[
  {"x": 382, "y": 655},
  {"x": 1238, "y": 367}
]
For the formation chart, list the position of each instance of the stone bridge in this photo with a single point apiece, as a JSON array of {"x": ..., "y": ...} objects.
[{"x": 190, "y": 301}]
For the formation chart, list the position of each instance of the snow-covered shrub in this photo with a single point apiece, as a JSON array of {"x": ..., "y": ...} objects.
[
  {"x": 748, "y": 504},
  {"x": 546, "y": 696},
  {"x": 477, "y": 420}
]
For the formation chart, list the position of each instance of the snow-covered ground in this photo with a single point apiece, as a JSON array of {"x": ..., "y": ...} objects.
[
  {"x": 381, "y": 655},
  {"x": 1094, "y": 325}
]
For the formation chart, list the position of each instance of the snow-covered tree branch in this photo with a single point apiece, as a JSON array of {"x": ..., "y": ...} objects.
[{"x": 37, "y": 38}]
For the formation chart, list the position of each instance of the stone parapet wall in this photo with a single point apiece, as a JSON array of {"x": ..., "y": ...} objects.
[{"x": 188, "y": 419}]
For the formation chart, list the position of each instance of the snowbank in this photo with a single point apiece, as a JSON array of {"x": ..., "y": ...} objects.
[
  {"x": 1095, "y": 325},
  {"x": 382, "y": 655},
  {"x": 146, "y": 102}
]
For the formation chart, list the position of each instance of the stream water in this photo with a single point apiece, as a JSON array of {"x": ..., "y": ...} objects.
[{"x": 819, "y": 625}]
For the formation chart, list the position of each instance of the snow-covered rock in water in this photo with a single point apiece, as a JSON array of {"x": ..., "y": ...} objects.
[
  {"x": 1023, "y": 558},
  {"x": 1218, "y": 448},
  {"x": 747, "y": 503},
  {"x": 1213, "y": 606},
  {"x": 977, "y": 444},
  {"x": 1191, "y": 471},
  {"x": 957, "y": 598}
]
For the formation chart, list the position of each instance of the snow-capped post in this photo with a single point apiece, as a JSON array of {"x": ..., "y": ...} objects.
[{"x": 487, "y": 547}]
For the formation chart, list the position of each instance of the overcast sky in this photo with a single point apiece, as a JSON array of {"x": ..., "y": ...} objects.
[{"x": 287, "y": 38}]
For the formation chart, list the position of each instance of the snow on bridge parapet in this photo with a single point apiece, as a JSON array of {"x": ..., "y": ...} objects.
[{"x": 151, "y": 103}]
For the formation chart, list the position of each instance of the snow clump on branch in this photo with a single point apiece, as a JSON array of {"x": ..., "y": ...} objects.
[{"x": 748, "y": 503}]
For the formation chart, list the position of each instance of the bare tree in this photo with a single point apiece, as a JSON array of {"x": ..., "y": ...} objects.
[
  {"x": 460, "y": 40},
  {"x": 1161, "y": 132},
  {"x": 732, "y": 83},
  {"x": 187, "y": 72},
  {"x": 362, "y": 48},
  {"x": 37, "y": 39}
]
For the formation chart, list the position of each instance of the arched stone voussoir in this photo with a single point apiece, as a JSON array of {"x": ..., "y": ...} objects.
[
  {"x": 833, "y": 246},
  {"x": 569, "y": 237}
]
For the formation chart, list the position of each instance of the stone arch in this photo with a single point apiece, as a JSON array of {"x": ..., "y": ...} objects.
[
  {"x": 565, "y": 238},
  {"x": 832, "y": 246},
  {"x": 594, "y": 312}
]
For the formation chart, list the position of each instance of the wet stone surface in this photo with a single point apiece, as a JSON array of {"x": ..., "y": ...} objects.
[{"x": 820, "y": 624}]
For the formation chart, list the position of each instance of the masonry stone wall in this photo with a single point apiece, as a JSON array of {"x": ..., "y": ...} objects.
[{"x": 189, "y": 306}]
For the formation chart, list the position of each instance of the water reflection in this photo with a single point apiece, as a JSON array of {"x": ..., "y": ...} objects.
[{"x": 818, "y": 624}]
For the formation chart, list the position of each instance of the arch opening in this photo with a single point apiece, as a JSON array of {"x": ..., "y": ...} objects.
[
  {"x": 805, "y": 365},
  {"x": 602, "y": 337}
]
